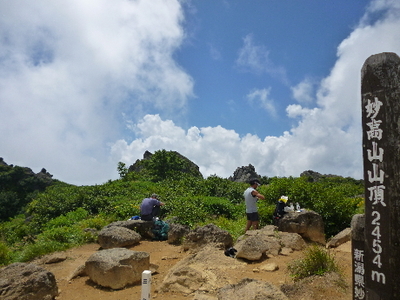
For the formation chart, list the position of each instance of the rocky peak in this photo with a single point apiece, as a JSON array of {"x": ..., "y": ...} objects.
[{"x": 244, "y": 174}]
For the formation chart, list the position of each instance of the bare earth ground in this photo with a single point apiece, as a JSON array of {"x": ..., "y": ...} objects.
[{"x": 165, "y": 256}]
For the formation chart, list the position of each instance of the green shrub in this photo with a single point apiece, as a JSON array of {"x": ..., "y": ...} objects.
[
  {"x": 220, "y": 187},
  {"x": 5, "y": 254},
  {"x": 187, "y": 210},
  {"x": 124, "y": 209},
  {"x": 265, "y": 211},
  {"x": 69, "y": 219},
  {"x": 16, "y": 230},
  {"x": 68, "y": 235},
  {"x": 234, "y": 227},
  {"x": 316, "y": 261},
  {"x": 97, "y": 222},
  {"x": 221, "y": 207},
  {"x": 38, "y": 249}
]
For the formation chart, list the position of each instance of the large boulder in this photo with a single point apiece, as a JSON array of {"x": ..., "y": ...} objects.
[
  {"x": 116, "y": 268},
  {"x": 250, "y": 289},
  {"x": 266, "y": 241},
  {"x": 22, "y": 281},
  {"x": 176, "y": 233},
  {"x": 307, "y": 223},
  {"x": 251, "y": 248},
  {"x": 207, "y": 235},
  {"x": 117, "y": 237},
  {"x": 142, "y": 227}
]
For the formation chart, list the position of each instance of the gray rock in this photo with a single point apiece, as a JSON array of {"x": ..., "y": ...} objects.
[
  {"x": 292, "y": 240},
  {"x": 250, "y": 289},
  {"x": 307, "y": 223},
  {"x": 22, "y": 281},
  {"x": 341, "y": 238},
  {"x": 206, "y": 235},
  {"x": 251, "y": 248},
  {"x": 54, "y": 258},
  {"x": 254, "y": 243},
  {"x": 116, "y": 268},
  {"x": 176, "y": 233},
  {"x": 78, "y": 272},
  {"x": 358, "y": 227},
  {"x": 142, "y": 227},
  {"x": 116, "y": 237}
]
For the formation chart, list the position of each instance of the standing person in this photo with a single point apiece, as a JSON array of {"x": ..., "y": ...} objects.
[
  {"x": 251, "y": 196},
  {"x": 150, "y": 208}
]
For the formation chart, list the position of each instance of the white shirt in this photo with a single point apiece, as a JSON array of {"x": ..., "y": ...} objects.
[{"x": 250, "y": 200}]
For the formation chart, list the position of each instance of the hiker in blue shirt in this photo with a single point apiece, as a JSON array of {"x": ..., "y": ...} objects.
[{"x": 150, "y": 208}]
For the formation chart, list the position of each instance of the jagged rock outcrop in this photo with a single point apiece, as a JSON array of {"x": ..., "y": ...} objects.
[
  {"x": 307, "y": 223},
  {"x": 44, "y": 176},
  {"x": 116, "y": 268},
  {"x": 313, "y": 176},
  {"x": 137, "y": 166},
  {"x": 244, "y": 174},
  {"x": 23, "y": 281}
]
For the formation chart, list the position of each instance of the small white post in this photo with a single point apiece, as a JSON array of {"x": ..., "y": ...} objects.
[{"x": 146, "y": 285}]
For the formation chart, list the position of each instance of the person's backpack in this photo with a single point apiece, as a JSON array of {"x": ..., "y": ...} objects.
[
  {"x": 160, "y": 230},
  {"x": 279, "y": 211}
]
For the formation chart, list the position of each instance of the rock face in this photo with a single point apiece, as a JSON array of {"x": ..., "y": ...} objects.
[
  {"x": 21, "y": 281},
  {"x": 116, "y": 268},
  {"x": 256, "y": 243},
  {"x": 250, "y": 289},
  {"x": 308, "y": 224},
  {"x": 209, "y": 234},
  {"x": 117, "y": 237},
  {"x": 244, "y": 174}
]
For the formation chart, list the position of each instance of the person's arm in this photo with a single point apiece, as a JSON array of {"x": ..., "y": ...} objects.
[{"x": 258, "y": 195}]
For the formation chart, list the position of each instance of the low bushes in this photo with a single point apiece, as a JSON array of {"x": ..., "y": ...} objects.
[{"x": 316, "y": 261}]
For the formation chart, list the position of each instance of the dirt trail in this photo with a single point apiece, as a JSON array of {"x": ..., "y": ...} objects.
[{"x": 165, "y": 256}]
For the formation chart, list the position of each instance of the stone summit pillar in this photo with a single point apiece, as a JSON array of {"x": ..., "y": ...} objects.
[{"x": 380, "y": 93}]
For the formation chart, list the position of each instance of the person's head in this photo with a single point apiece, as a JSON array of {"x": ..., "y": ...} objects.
[
  {"x": 155, "y": 196},
  {"x": 284, "y": 199},
  {"x": 254, "y": 182}
]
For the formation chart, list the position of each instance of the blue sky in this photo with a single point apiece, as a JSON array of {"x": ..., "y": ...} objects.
[{"x": 275, "y": 84}]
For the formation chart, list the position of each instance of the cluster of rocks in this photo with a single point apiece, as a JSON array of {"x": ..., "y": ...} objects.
[{"x": 204, "y": 273}]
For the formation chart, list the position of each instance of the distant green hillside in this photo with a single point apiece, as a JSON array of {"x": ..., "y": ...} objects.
[{"x": 18, "y": 186}]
